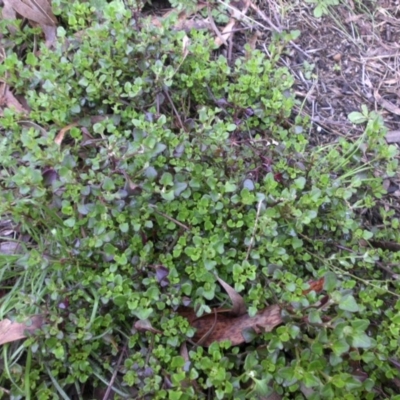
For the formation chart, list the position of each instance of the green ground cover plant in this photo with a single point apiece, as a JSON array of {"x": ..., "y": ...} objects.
[{"x": 176, "y": 167}]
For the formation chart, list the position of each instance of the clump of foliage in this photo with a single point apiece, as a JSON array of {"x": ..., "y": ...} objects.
[{"x": 179, "y": 167}]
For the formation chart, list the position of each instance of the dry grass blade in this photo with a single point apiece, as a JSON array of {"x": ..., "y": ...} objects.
[
  {"x": 60, "y": 135},
  {"x": 10, "y": 331},
  {"x": 239, "y": 10},
  {"x": 386, "y": 104}
]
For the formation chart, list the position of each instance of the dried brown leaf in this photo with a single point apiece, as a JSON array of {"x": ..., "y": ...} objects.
[
  {"x": 10, "y": 331},
  {"x": 38, "y": 11},
  {"x": 60, "y": 135},
  {"x": 8, "y": 11},
  {"x": 239, "y": 306},
  {"x": 9, "y": 247},
  {"x": 184, "y": 352},
  {"x": 393, "y": 136},
  {"x": 223, "y": 326},
  {"x": 144, "y": 325},
  {"x": 50, "y": 33},
  {"x": 12, "y": 102}
]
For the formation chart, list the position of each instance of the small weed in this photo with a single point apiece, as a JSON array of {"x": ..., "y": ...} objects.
[
  {"x": 145, "y": 172},
  {"x": 322, "y": 6}
]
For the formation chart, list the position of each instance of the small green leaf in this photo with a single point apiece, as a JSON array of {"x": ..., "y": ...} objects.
[
  {"x": 330, "y": 280},
  {"x": 361, "y": 340},
  {"x": 338, "y": 381},
  {"x": 230, "y": 187},
  {"x": 310, "y": 380},
  {"x": 314, "y": 316},
  {"x": 231, "y": 127},
  {"x": 297, "y": 243},
  {"x": 295, "y": 34},
  {"x": 364, "y": 109},
  {"x": 340, "y": 346},
  {"x": 143, "y": 313},
  {"x": 31, "y": 59},
  {"x": 356, "y": 117},
  {"x": 249, "y": 334},
  {"x": 124, "y": 227},
  {"x": 300, "y": 183},
  {"x": 367, "y": 235},
  {"x": 261, "y": 387},
  {"x": 169, "y": 196},
  {"x": 166, "y": 179},
  {"x": 108, "y": 184},
  {"x": 177, "y": 362},
  {"x": 360, "y": 325},
  {"x": 286, "y": 373},
  {"x": 348, "y": 303},
  {"x": 318, "y": 11},
  {"x": 70, "y": 222}
]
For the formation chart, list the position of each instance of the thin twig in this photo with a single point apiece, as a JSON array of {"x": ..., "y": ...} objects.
[
  {"x": 230, "y": 40},
  {"x": 216, "y": 30},
  {"x": 168, "y": 217},
  {"x": 175, "y": 110},
  {"x": 114, "y": 375},
  {"x": 254, "y": 229}
]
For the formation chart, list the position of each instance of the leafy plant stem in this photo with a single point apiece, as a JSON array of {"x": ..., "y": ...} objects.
[{"x": 27, "y": 372}]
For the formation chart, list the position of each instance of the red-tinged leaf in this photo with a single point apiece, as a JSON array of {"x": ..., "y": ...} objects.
[
  {"x": 49, "y": 176},
  {"x": 161, "y": 275},
  {"x": 278, "y": 177},
  {"x": 316, "y": 286},
  {"x": 249, "y": 112},
  {"x": 186, "y": 301}
]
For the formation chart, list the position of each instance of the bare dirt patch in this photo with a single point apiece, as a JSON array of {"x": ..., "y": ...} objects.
[{"x": 341, "y": 61}]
